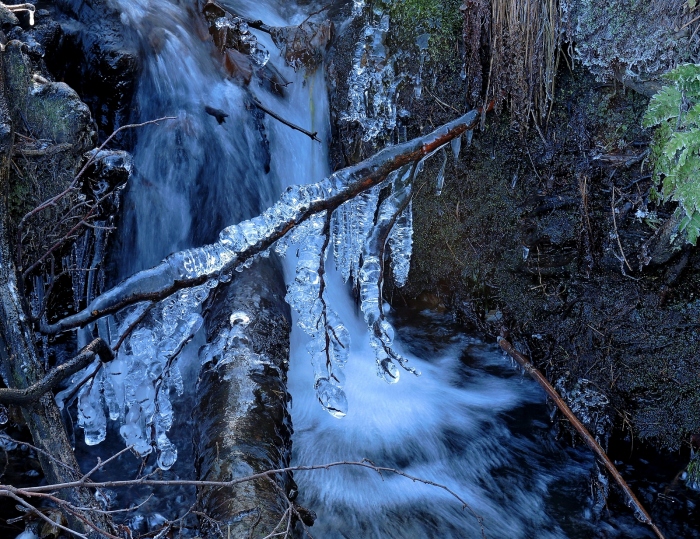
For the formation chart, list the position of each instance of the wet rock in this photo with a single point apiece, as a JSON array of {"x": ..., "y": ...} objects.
[
  {"x": 7, "y": 17},
  {"x": 45, "y": 110},
  {"x": 664, "y": 244},
  {"x": 95, "y": 57},
  {"x": 219, "y": 114},
  {"x": 304, "y": 45}
]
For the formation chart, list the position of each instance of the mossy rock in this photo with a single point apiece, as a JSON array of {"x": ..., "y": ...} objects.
[
  {"x": 45, "y": 110},
  {"x": 55, "y": 112}
]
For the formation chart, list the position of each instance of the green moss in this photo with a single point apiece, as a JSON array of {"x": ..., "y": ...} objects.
[
  {"x": 439, "y": 18},
  {"x": 17, "y": 79}
]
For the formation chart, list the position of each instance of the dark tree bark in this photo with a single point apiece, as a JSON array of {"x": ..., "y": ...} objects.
[{"x": 20, "y": 367}]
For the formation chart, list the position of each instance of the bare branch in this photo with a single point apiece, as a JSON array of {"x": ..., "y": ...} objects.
[
  {"x": 97, "y": 348},
  {"x": 34, "y": 510},
  {"x": 312, "y": 136},
  {"x": 95, "y": 154},
  {"x": 84, "y": 482},
  {"x": 591, "y": 442}
]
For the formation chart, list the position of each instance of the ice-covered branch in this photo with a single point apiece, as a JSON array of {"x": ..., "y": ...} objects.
[{"x": 238, "y": 244}]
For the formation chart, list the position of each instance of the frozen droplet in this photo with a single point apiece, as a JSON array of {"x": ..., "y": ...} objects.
[
  {"x": 167, "y": 453},
  {"x": 332, "y": 398},
  {"x": 387, "y": 370}
]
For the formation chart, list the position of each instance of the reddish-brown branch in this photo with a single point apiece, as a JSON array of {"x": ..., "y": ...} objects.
[{"x": 587, "y": 437}]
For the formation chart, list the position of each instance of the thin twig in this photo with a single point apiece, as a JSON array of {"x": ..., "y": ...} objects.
[
  {"x": 324, "y": 8},
  {"x": 617, "y": 235},
  {"x": 38, "y": 513},
  {"x": 53, "y": 200},
  {"x": 312, "y": 136}
]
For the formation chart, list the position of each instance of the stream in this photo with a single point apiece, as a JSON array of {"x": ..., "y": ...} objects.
[{"x": 470, "y": 421}]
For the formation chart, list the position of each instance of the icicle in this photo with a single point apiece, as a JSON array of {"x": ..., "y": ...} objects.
[
  {"x": 134, "y": 387},
  {"x": 330, "y": 339},
  {"x": 456, "y": 145},
  {"x": 91, "y": 415},
  {"x": 469, "y": 135},
  {"x": 381, "y": 331},
  {"x": 440, "y": 182},
  {"x": 351, "y": 223},
  {"x": 401, "y": 243},
  {"x": 332, "y": 398}
]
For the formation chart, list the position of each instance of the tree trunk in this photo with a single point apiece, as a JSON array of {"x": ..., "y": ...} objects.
[{"x": 19, "y": 364}]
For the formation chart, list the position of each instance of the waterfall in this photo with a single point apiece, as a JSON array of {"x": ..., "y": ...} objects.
[{"x": 469, "y": 422}]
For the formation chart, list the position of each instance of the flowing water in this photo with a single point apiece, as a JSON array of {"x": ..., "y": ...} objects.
[{"x": 469, "y": 422}]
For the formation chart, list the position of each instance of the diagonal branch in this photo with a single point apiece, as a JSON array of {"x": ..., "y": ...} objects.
[
  {"x": 241, "y": 242},
  {"x": 591, "y": 442},
  {"x": 312, "y": 136}
]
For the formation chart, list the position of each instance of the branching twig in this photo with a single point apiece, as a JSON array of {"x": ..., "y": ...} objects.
[
  {"x": 131, "y": 327},
  {"x": 42, "y": 490},
  {"x": 55, "y": 199}
]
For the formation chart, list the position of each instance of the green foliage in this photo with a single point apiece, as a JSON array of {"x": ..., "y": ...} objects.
[{"x": 676, "y": 147}]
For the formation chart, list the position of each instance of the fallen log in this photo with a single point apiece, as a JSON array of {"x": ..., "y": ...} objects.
[
  {"x": 591, "y": 442},
  {"x": 243, "y": 426}
]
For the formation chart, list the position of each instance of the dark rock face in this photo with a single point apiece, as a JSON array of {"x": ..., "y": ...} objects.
[
  {"x": 243, "y": 423},
  {"x": 95, "y": 56}
]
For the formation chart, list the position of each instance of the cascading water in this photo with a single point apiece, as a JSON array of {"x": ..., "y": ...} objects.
[{"x": 469, "y": 422}]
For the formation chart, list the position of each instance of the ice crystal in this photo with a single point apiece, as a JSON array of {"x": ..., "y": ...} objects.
[{"x": 373, "y": 83}]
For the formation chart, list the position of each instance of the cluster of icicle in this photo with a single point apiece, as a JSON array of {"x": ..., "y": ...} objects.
[
  {"x": 135, "y": 387},
  {"x": 372, "y": 82}
]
